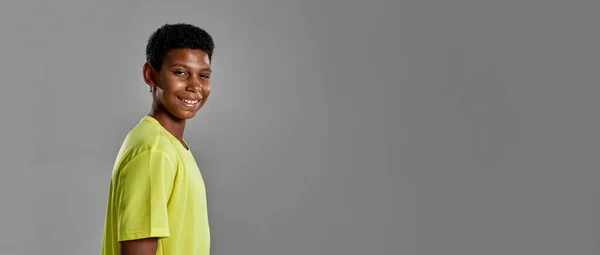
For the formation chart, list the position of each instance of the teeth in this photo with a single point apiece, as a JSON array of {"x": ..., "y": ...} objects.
[{"x": 189, "y": 101}]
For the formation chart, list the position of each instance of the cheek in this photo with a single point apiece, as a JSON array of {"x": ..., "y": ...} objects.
[
  {"x": 170, "y": 86},
  {"x": 165, "y": 97},
  {"x": 207, "y": 91}
]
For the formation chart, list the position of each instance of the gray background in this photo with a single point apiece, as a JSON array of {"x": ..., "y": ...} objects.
[{"x": 334, "y": 127}]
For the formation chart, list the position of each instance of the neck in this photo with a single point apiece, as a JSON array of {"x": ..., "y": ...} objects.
[{"x": 175, "y": 126}]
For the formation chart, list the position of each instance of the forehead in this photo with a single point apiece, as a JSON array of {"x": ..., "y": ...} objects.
[{"x": 191, "y": 57}]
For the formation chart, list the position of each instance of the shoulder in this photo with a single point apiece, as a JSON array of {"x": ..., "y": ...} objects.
[
  {"x": 147, "y": 139},
  {"x": 147, "y": 156}
]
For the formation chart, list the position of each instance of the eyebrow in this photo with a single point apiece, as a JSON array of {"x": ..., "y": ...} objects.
[{"x": 206, "y": 69}]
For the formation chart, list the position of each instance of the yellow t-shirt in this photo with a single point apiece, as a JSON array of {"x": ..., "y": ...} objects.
[{"x": 156, "y": 190}]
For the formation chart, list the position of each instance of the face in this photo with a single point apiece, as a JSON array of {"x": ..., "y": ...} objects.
[{"x": 182, "y": 85}]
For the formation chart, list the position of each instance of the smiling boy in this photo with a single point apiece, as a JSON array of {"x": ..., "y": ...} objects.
[{"x": 157, "y": 199}]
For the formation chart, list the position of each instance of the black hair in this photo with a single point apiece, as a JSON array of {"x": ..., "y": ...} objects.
[{"x": 177, "y": 36}]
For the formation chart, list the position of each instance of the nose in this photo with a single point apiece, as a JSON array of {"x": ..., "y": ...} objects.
[{"x": 195, "y": 86}]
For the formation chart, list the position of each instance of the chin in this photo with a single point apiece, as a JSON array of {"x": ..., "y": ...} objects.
[
  {"x": 183, "y": 114},
  {"x": 186, "y": 115}
]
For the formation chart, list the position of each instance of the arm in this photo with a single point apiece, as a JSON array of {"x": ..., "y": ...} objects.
[
  {"x": 145, "y": 246},
  {"x": 143, "y": 189}
]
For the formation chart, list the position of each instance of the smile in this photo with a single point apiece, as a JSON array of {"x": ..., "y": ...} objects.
[{"x": 189, "y": 102}]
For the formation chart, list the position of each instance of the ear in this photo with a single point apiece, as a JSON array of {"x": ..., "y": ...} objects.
[{"x": 149, "y": 74}]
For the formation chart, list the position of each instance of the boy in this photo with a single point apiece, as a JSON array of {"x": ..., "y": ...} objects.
[{"x": 157, "y": 200}]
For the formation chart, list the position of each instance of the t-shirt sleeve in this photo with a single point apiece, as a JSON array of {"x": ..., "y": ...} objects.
[{"x": 144, "y": 187}]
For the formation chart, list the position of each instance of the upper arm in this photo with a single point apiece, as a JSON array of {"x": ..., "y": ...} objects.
[
  {"x": 143, "y": 190},
  {"x": 145, "y": 246}
]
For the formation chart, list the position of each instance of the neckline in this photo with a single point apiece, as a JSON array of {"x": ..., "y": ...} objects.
[{"x": 185, "y": 145}]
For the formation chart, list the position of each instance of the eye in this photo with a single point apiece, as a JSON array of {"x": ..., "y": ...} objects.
[
  {"x": 179, "y": 73},
  {"x": 204, "y": 76}
]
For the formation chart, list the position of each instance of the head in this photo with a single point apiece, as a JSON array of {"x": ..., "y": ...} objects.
[{"x": 178, "y": 69}]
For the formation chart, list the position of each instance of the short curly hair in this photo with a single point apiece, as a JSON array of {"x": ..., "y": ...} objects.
[{"x": 177, "y": 36}]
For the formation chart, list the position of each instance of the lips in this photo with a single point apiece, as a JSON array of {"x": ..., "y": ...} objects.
[{"x": 189, "y": 102}]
